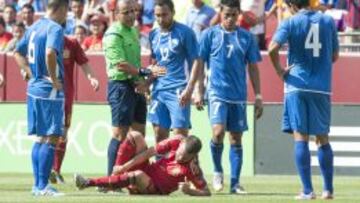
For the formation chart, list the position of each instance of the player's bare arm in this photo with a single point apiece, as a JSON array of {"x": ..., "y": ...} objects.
[
  {"x": 23, "y": 65},
  {"x": 185, "y": 187},
  {"x": 185, "y": 96},
  {"x": 89, "y": 74},
  {"x": 255, "y": 82},
  {"x": 274, "y": 49},
  {"x": 51, "y": 65},
  {"x": 153, "y": 70},
  {"x": 1, "y": 80},
  {"x": 138, "y": 159},
  {"x": 199, "y": 88}
]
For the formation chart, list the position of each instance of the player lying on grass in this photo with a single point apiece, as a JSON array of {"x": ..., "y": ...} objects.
[{"x": 134, "y": 171}]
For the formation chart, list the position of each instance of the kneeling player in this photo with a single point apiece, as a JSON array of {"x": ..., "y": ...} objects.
[{"x": 133, "y": 170}]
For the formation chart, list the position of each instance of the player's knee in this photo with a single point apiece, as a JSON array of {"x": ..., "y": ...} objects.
[
  {"x": 218, "y": 134},
  {"x": 137, "y": 139},
  {"x": 52, "y": 139},
  {"x": 120, "y": 133},
  {"x": 321, "y": 140},
  {"x": 181, "y": 131},
  {"x": 235, "y": 138}
]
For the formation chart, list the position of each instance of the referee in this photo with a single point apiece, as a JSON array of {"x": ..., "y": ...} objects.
[{"x": 122, "y": 54}]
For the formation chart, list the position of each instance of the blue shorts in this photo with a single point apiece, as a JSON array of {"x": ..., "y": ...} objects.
[
  {"x": 307, "y": 113},
  {"x": 231, "y": 115},
  {"x": 45, "y": 116},
  {"x": 126, "y": 105},
  {"x": 166, "y": 111}
]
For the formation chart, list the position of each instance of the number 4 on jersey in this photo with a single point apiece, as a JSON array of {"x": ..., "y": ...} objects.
[{"x": 313, "y": 40}]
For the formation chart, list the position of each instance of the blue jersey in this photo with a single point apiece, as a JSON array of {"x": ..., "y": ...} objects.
[
  {"x": 175, "y": 50},
  {"x": 44, "y": 34},
  {"x": 313, "y": 40},
  {"x": 227, "y": 55}
]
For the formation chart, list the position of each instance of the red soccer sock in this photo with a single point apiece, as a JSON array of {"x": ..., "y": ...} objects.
[
  {"x": 117, "y": 181},
  {"x": 59, "y": 156},
  {"x": 126, "y": 152}
]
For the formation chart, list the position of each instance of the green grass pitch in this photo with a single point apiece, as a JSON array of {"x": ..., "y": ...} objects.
[{"x": 16, "y": 188}]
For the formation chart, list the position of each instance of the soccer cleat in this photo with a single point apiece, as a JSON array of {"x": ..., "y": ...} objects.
[
  {"x": 56, "y": 178},
  {"x": 80, "y": 182},
  {"x": 52, "y": 177},
  {"x": 50, "y": 191},
  {"x": 60, "y": 179},
  {"x": 34, "y": 191},
  {"x": 238, "y": 190},
  {"x": 109, "y": 190},
  {"x": 327, "y": 195},
  {"x": 303, "y": 196},
  {"x": 218, "y": 182}
]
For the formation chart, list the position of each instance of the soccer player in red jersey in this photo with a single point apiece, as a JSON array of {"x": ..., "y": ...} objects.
[
  {"x": 132, "y": 170},
  {"x": 73, "y": 53}
]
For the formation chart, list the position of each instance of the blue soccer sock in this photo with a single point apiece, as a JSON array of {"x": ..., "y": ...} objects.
[
  {"x": 35, "y": 162},
  {"x": 326, "y": 162},
  {"x": 112, "y": 153},
  {"x": 46, "y": 158},
  {"x": 216, "y": 154},
  {"x": 302, "y": 161},
  {"x": 236, "y": 160}
]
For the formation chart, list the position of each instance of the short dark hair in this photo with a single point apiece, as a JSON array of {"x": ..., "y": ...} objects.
[
  {"x": 192, "y": 144},
  {"x": 2, "y": 22},
  {"x": 298, "y": 3},
  {"x": 28, "y": 6},
  {"x": 56, "y": 4},
  {"x": 168, "y": 3},
  {"x": 20, "y": 25},
  {"x": 80, "y": 1},
  {"x": 230, "y": 3}
]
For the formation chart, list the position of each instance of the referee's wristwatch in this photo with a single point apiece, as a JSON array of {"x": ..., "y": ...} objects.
[{"x": 144, "y": 72}]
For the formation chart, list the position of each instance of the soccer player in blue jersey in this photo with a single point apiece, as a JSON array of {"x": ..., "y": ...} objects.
[
  {"x": 229, "y": 52},
  {"x": 313, "y": 47},
  {"x": 173, "y": 46},
  {"x": 39, "y": 53}
]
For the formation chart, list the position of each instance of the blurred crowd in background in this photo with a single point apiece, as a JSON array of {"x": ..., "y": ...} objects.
[{"x": 88, "y": 19}]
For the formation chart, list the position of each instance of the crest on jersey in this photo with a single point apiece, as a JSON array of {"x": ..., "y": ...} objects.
[
  {"x": 176, "y": 171},
  {"x": 174, "y": 42}
]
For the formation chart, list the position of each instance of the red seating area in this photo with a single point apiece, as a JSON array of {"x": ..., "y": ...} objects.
[{"x": 345, "y": 81}]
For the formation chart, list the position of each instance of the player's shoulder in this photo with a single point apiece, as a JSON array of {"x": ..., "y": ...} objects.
[
  {"x": 243, "y": 32},
  {"x": 182, "y": 29}
]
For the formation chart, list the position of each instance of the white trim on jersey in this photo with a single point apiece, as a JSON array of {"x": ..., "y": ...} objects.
[
  {"x": 225, "y": 100},
  {"x": 294, "y": 89},
  {"x": 42, "y": 98}
]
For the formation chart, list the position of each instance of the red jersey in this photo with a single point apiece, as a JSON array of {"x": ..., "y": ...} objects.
[
  {"x": 93, "y": 43},
  {"x": 166, "y": 173},
  {"x": 72, "y": 53}
]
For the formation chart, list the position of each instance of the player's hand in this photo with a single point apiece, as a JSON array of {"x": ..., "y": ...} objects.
[
  {"x": 118, "y": 170},
  {"x": 57, "y": 84},
  {"x": 157, "y": 71},
  {"x": 185, "y": 96},
  {"x": 141, "y": 87},
  {"x": 198, "y": 100},
  {"x": 2, "y": 82},
  {"x": 25, "y": 75},
  {"x": 94, "y": 83},
  {"x": 283, "y": 72},
  {"x": 184, "y": 187},
  {"x": 258, "y": 108}
]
